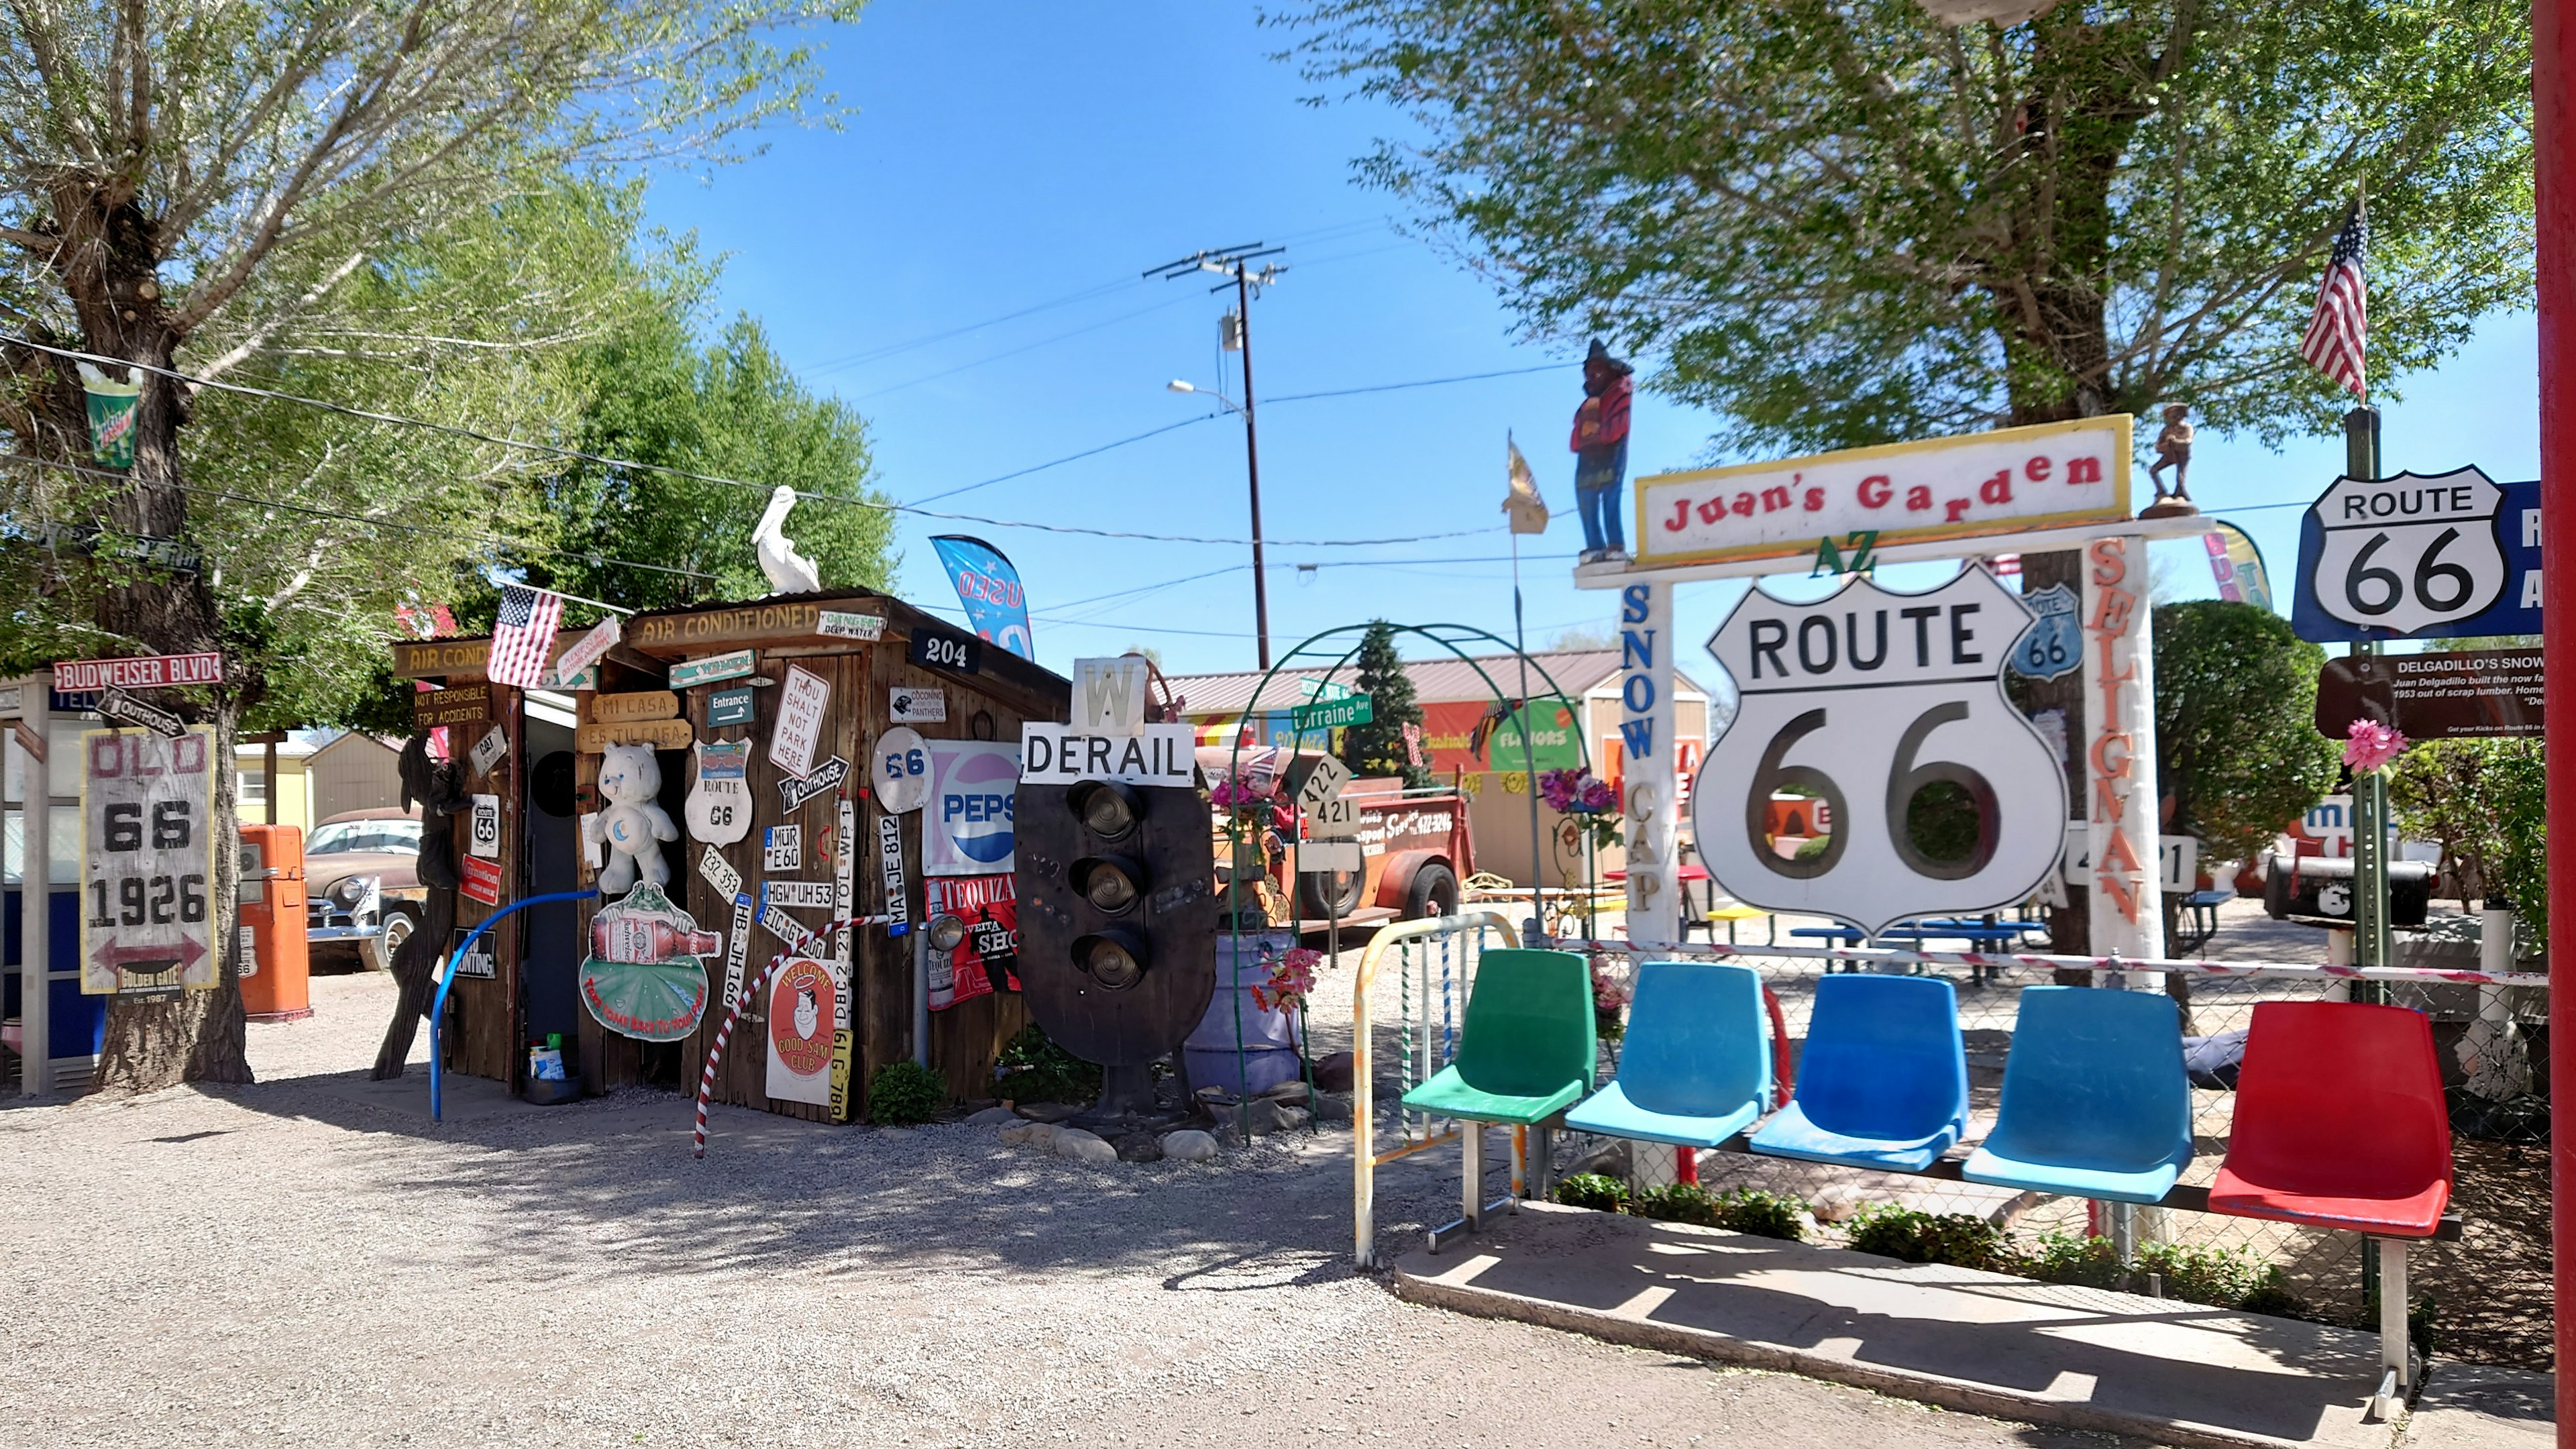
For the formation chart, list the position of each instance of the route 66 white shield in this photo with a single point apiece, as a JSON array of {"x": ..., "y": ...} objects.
[
  {"x": 718, "y": 810},
  {"x": 2409, "y": 552}
]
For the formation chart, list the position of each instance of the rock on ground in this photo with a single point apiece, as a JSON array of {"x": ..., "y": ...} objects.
[
  {"x": 1189, "y": 1145},
  {"x": 1083, "y": 1146}
]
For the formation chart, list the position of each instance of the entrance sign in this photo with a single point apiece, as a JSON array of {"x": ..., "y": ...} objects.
[
  {"x": 2013, "y": 480},
  {"x": 2482, "y": 694},
  {"x": 1889, "y": 709},
  {"x": 147, "y": 863},
  {"x": 158, "y": 671},
  {"x": 2451, "y": 555}
]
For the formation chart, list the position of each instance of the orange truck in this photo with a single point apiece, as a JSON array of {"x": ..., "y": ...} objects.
[{"x": 1415, "y": 845}]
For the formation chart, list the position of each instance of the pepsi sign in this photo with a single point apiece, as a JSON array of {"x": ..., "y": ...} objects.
[{"x": 967, "y": 820}]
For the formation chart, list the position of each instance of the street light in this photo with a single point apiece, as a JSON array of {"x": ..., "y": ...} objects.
[{"x": 1176, "y": 385}]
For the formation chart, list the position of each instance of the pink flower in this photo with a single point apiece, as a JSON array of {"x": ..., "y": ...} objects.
[
  {"x": 1291, "y": 981},
  {"x": 2370, "y": 745}
]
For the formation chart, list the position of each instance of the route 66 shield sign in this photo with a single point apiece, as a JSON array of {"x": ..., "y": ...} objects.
[
  {"x": 718, "y": 810},
  {"x": 1875, "y": 770},
  {"x": 2054, "y": 643},
  {"x": 2405, "y": 554}
]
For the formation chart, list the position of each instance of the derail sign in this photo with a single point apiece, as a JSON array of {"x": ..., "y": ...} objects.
[{"x": 2009, "y": 481}]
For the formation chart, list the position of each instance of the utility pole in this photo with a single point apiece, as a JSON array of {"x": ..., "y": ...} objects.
[{"x": 1231, "y": 262}]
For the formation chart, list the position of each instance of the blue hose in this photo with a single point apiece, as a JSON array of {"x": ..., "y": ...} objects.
[{"x": 438, "y": 1007}]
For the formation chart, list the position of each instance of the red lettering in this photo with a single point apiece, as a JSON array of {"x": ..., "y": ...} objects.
[
  {"x": 1875, "y": 490},
  {"x": 2080, "y": 471},
  {"x": 2113, "y": 609},
  {"x": 1774, "y": 499},
  {"x": 1958, "y": 509},
  {"x": 1680, "y": 518},
  {"x": 2110, "y": 560},
  {"x": 2121, "y": 895},
  {"x": 1815, "y": 500},
  {"x": 2105, "y": 746},
  {"x": 2107, "y": 802},
  {"x": 106, "y": 757},
  {"x": 1713, "y": 510},
  {"x": 2036, "y": 470},
  {"x": 1917, "y": 498},
  {"x": 1744, "y": 505},
  {"x": 1997, "y": 489}
]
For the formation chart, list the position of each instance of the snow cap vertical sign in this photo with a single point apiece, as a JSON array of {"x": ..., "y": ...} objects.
[
  {"x": 2120, "y": 758},
  {"x": 1646, "y": 726}
]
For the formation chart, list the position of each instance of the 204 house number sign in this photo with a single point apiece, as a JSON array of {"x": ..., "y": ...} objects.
[
  {"x": 1887, "y": 710},
  {"x": 147, "y": 862}
]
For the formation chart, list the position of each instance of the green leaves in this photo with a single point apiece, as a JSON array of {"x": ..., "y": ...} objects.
[{"x": 2237, "y": 746}]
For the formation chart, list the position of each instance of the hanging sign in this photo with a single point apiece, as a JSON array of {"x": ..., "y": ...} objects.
[
  {"x": 729, "y": 707},
  {"x": 2482, "y": 694},
  {"x": 1889, "y": 709},
  {"x": 966, "y": 824},
  {"x": 800, "y": 720},
  {"x": 1331, "y": 714},
  {"x": 1109, "y": 694},
  {"x": 157, "y": 671},
  {"x": 939, "y": 649},
  {"x": 804, "y": 1001},
  {"x": 2012, "y": 480},
  {"x": 890, "y": 874},
  {"x": 458, "y": 704},
  {"x": 2055, "y": 644},
  {"x": 660, "y": 734},
  {"x": 147, "y": 863},
  {"x": 989, "y": 587},
  {"x": 917, "y": 706},
  {"x": 1330, "y": 815},
  {"x": 689, "y": 673},
  {"x": 588, "y": 650},
  {"x": 864, "y": 627},
  {"x": 643, "y": 977},
  {"x": 484, "y": 839},
  {"x": 987, "y": 960},
  {"x": 902, "y": 775},
  {"x": 1054, "y": 754},
  {"x": 479, "y": 879},
  {"x": 826, "y": 778},
  {"x": 488, "y": 750},
  {"x": 782, "y": 847},
  {"x": 2450, "y": 556},
  {"x": 645, "y": 705},
  {"x": 116, "y": 704},
  {"x": 751, "y": 623},
  {"x": 718, "y": 810}
]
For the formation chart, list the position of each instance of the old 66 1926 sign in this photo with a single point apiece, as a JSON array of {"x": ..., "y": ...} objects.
[
  {"x": 147, "y": 862},
  {"x": 1888, "y": 711}
]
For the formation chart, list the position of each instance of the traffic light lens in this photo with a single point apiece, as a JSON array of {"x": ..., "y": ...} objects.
[
  {"x": 1108, "y": 809},
  {"x": 1110, "y": 889},
  {"x": 1114, "y": 959}
]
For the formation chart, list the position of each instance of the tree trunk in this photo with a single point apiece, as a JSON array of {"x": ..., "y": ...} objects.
[{"x": 107, "y": 262}]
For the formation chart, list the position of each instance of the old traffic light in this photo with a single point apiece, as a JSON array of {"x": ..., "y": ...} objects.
[{"x": 1117, "y": 915}]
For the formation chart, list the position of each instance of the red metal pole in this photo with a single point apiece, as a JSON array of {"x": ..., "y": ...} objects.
[{"x": 2553, "y": 61}]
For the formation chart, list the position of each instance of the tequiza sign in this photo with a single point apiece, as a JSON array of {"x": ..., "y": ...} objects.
[{"x": 967, "y": 821}]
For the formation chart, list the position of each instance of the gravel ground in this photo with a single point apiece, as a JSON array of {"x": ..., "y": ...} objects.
[{"x": 294, "y": 1263}]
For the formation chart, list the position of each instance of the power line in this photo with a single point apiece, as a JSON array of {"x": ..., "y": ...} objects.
[
  {"x": 1422, "y": 382},
  {"x": 1070, "y": 457}
]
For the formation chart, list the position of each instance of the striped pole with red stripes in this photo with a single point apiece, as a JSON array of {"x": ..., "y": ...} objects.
[{"x": 733, "y": 1013}]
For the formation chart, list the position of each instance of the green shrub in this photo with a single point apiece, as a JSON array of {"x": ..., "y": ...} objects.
[
  {"x": 1034, "y": 1069},
  {"x": 903, "y": 1093},
  {"x": 1682, "y": 1202},
  {"x": 1920, "y": 1237},
  {"x": 2219, "y": 1277},
  {"x": 1763, "y": 1214},
  {"x": 2063, "y": 1258},
  {"x": 1594, "y": 1191}
]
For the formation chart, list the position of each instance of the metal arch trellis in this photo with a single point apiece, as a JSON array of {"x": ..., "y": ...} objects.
[{"x": 1447, "y": 636}]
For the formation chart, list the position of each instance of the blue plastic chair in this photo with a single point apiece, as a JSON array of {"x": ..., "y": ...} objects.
[
  {"x": 1696, "y": 1068},
  {"x": 1883, "y": 1081},
  {"x": 2095, "y": 1100}
]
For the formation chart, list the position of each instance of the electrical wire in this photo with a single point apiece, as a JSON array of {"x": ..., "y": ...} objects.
[
  {"x": 1423, "y": 382},
  {"x": 1068, "y": 458}
]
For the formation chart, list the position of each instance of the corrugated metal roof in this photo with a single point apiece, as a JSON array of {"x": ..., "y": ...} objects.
[{"x": 1435, "y": 681}]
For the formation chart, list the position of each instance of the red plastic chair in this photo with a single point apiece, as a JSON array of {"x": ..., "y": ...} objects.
[{"x": 2340, "y": 1121}]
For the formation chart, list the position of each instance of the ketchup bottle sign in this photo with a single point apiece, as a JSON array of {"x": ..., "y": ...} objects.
[{"x": 619, "y": 936}]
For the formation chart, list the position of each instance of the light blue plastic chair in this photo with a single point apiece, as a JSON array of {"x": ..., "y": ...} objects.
[
  {"x": 2095, "y": 1101},
  {"x": 1696, "y": 1067},
  {"x": 1883, "y": 1081}
]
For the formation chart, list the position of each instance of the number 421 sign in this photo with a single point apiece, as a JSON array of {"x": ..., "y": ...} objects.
[
  {"x": 147, "y": 862},
  {"x": 1888, "y": 710}
]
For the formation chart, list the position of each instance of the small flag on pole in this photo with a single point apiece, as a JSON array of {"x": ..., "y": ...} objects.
[
  {"x": 523, "y": 636},
  {"x": 1528, "y": 510},
  {"x": 2338, "y": 335}
]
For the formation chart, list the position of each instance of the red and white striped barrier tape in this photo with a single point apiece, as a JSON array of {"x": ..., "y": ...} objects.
[{"x": 733, "y": 1013}]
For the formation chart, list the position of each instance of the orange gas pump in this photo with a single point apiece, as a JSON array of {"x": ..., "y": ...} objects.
[{"x": 276, "y": 969}]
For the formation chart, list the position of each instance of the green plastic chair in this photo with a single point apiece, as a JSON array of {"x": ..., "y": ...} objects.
[{"x": 1526, "y": 1052}]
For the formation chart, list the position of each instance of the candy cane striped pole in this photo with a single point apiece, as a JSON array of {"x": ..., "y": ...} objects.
[{"x": 733, "y": 1013}]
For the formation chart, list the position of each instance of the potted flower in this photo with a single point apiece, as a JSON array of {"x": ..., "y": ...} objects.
[{"x": 1590, "y": 806}]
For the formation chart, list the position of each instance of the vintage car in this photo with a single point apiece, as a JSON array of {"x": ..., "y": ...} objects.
[{"x": 362, "y": 885}]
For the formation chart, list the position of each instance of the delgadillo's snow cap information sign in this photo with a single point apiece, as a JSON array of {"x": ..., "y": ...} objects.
[
  {"x": 147, "y": 862},
  {"x": 1875, "y": 770}
]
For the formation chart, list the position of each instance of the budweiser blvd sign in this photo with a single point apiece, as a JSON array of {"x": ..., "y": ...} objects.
[{"x": 2010, "y": 481}]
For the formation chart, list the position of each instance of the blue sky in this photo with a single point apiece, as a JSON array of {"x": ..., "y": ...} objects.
[{"x": 1037, "y": 158}]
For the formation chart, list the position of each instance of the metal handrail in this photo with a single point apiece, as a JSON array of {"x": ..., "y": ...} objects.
[
  {"x": 447, "y": 978},
  {"x": 1364, "y": 1158}
]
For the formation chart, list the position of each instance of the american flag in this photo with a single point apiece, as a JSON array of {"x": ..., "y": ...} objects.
[
  {"x": 523, "y": 636},
  {"x": 2339, "y": 333}
]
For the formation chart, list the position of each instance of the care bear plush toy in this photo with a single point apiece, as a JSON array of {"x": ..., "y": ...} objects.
[{"x": 632, "y": 824}]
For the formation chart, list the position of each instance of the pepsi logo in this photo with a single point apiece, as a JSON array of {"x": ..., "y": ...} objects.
[{"x": 975, "y": 804}]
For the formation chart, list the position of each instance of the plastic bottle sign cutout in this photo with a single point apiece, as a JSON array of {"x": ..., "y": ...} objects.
[
  {"x": 2409, "y": 552},
  {"x": 2055, "y": 644},
  {"x": 800, "y": 720},
  {"x": 782, "y": 847},
  {"x": 901, "y": 777},
  {"x": 718, "y": 810},
  {"x": 485, "y": 839},
  {"x": 1888, "y": 711},
  {"x": 147, "y": 861}
]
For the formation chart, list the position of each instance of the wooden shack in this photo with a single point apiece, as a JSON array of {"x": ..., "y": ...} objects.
[{"x": 685, "y": 677}]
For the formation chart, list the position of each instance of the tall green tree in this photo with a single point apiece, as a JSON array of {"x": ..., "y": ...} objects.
[
  {"x": 2237, "y": 749},
  {"x": 183, "y": 186},
  {"x": 1376, "y": 749}
]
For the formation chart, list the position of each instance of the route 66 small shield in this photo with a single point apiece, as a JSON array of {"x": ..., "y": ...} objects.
[
  {"x": 718, "y": 810},
  {"x": 2054, "y": 644}
]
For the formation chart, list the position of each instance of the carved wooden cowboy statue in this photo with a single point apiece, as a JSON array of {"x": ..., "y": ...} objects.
[
  {"x": 1601, "y": 452},
  {"x": 2173, "y": 449}
]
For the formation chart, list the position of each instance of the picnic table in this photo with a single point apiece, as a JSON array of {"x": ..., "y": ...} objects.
[{"x": 1981, "y": 935}]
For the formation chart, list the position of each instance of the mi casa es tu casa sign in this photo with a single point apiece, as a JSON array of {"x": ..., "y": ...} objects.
[{"x": 2009, "y": 481}]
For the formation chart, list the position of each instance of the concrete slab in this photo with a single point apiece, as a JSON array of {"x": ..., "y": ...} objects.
[
  {"x": 2473, "y": 1404},
  {"x": 2079, "y": 1358}
]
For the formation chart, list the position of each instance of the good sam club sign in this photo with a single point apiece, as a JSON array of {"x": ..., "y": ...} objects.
[{"x": 1887, "y": 709}]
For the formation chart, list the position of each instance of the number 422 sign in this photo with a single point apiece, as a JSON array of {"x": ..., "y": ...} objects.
[
  {"x": 1887, "y": 709},
  {"x": 147, "y": 862}
]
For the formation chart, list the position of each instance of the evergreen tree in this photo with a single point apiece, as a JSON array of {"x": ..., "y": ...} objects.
[{"x": 1376, "y": 749}]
